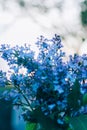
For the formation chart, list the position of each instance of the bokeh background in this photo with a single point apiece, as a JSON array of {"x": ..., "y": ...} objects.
[{"x": 22, "y": 21}]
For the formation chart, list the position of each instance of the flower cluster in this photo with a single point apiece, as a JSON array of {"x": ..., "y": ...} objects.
[{"x": 46, "y": 84}]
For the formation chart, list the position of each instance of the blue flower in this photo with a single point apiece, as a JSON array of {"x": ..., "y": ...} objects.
[{"x": 49, "y": 83}]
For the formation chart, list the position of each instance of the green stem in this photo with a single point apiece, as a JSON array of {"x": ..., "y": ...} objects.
[{"x": 20, "y": 91}]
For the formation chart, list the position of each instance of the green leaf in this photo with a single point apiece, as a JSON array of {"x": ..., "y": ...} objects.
[
  {"x": 79, "y": 123},
  {"x": 85, "y": 99},
  {"x": 45, "y": 123},
  {"x": 74, "y": 96},
  {"x": 31, "y": 126}
]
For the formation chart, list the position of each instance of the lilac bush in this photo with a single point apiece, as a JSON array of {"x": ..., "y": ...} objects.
[{"x": 50, "y": 89}]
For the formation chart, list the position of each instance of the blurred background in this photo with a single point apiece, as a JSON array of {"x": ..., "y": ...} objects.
[{"x": 22, "y": 21}]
